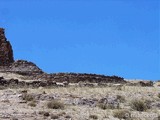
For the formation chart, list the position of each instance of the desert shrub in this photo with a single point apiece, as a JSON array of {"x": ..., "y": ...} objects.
[
  {"x": 67, "y": 116},
  {"x": 119, "y": 88},
  {"x": 27, "y": 97},
  {"x": 107, "y": 106},
  {"x": 46, "y": 114},
  {"x": 121, "y": 98},
  {"x": 32, "y": 104},
  {"x": 14, "y": 118},
  {"x": 95, "y": 117},
  {"x": 122, "y": 114},
  {"x": 62, "y": 113},
  {"x": 2, "y": 87},
  {"x": 53, "y": 116},
  {"x": 6, "y": 101},
  {"x": 55, "y": 105},
  {"x": 41, "y": 112},
  {"x": 139, "y": 105},
  {"x": 102, "y": 106}
]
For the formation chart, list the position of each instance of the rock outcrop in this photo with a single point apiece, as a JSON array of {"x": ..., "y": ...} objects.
[
  {"x": 7, "y": 63},
  {"x": 6, "y": 52},
  {"x": 22, "y": 67},
  {"x": 32, "y": 72}
]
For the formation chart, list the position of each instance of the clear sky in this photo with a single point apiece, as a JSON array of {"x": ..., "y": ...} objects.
[{"x": 110, "y": 37}]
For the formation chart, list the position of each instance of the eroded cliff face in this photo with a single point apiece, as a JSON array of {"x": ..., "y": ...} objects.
[{"x": 6, "y": 52}]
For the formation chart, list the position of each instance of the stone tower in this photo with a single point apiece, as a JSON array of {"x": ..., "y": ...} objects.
[{"x": 6, "y": 52}]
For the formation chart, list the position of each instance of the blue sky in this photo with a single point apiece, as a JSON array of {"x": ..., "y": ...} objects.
[{"x": 111, "y": 37}]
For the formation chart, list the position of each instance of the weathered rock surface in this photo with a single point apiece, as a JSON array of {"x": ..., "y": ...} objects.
[
  {"x": 22, "y": 67},
  {"x": 6, "y": 52}
]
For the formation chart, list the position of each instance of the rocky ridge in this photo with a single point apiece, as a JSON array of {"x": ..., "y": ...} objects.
[{"x": 33, "y": 72}]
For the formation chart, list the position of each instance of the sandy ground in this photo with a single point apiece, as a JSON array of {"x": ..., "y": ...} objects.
[
  {"x": 12, "y": 105},
  {"x": 80, "y": 103}
]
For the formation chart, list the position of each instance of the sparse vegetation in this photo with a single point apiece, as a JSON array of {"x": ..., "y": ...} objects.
[
  {"x": 54, "y": 104},
  {"x": 139, "y": 105},
  {"x": 67, "y": 116},
  {"x": 122, "y": 114},
  {"x": 53, "y": 116},
  {"x": 2, "y": 87},
  {"x": 27, "y": 97},
  {"x": 14, "y": 118},
  {"x": 95, "y": 117},
  {"x": 46, "y": 114},
  {"x": 121, "y": 98},
  {"x": 105, "y": 102},
  {"x": 107, "y": 106},
  {"x": 102, "y": 106},
  {"x": 32, "y": 104}
]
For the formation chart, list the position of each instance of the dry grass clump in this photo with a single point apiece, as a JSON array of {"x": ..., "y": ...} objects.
[
  {"x": 14, "y": 118},
  {"x": 53, "y": 116},
  {"x": 32, "y": 104},
  {"x": 44, "y": 113},
  {"x": 57, "y": 116},
  {"x": 54, "y": 104},
  {"x": 122, "y": 114},
  {"x": 68, "y": 116},
  {"x": 2, "y": 87},
  {"x": 121, "y": 98},
  {"x": 107, "y": 106},
  {"x": 95, "y": 117},
  {"x": 6, "y": 101},
  {"x": 139, "y": 105},
  {"x": 27, "y": 97}
]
